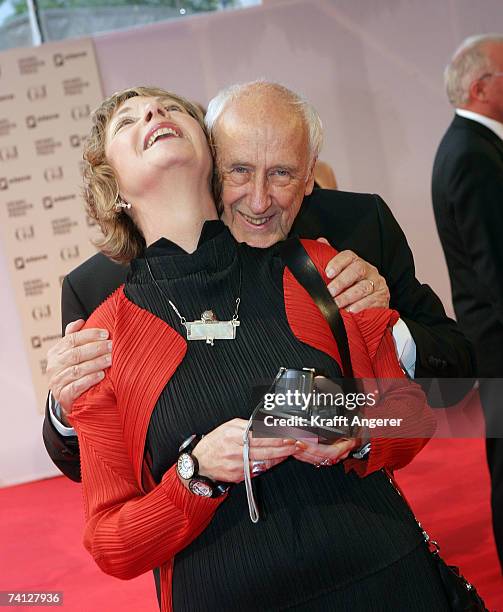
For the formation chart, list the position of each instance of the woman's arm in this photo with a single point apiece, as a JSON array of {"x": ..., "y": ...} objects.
[
  {"x": 394, "y": 447},
  {"x": 128, "y": 531}
]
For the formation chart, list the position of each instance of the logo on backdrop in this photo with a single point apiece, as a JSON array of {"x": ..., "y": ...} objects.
[
  {"x": 29, "y": 65},
  {"x": 6, "y": 127},
  {"x": 53, "y": 173},
  {"x": 59, "y": 59},
  {"x": 8, "y": 153},
  {"x": 68, "y": 253},
  {"x": 36, "y": 92},
  {"x": 39, "y": 313},
  {"x": 6, "y": 182},
  {"x": 25, "y": 232},
  {"x": 32, "y": 121},
  {"x": 80, "y": 112},
  {"x": 49, "y": 201},
  {"x": 36, "y": 342}
]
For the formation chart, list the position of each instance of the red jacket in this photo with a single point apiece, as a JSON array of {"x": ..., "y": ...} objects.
[{"x": 134, "y": 525}]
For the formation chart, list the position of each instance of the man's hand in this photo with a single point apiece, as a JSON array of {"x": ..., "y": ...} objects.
[
  {"x": 356, "y": 284},
  {"x": 76, "y": 363}
]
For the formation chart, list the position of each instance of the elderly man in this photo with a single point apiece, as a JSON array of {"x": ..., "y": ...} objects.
[
  {"x": 266, "y": 140},
  {"x": 467, "y": 189}
]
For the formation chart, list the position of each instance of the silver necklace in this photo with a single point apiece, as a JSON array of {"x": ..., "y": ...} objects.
[{"x": 208, "y": 327}]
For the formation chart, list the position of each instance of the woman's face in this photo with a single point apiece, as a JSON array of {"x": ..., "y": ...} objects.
[{"x": 147, "y": 136}]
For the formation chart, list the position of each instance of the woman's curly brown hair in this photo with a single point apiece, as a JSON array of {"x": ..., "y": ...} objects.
[{"x": 121, "y": 240}]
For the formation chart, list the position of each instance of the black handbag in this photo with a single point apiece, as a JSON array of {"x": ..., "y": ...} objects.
[{"x": 461, "y": 595}]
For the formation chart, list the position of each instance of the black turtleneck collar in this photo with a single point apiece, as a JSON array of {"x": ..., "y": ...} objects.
[
  {"x": 216, "y": 251},
  {"x": 163, "y": 246}
]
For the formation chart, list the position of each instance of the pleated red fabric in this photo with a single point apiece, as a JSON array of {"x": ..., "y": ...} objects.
[
  {"x": 133, "y": 525},
  {"x": 373, "y": 357}
]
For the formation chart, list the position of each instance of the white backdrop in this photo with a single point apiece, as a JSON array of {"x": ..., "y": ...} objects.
[{"x": 373, "y": 70}]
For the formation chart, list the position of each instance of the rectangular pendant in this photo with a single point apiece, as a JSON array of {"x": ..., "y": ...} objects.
[{"x": 211, "y": 330}]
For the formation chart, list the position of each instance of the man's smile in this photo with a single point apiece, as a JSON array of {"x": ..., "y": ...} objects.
[{"x": 256, "y": 222}]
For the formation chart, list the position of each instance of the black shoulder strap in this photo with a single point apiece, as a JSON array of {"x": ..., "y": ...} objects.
[{"x": 302, "y": 267}]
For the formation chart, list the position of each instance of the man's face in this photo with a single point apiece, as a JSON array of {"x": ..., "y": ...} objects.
[{"x": 263, "y": 160}]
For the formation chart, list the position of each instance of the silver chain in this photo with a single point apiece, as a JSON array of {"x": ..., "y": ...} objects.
[{"x": 183, "y": 320}]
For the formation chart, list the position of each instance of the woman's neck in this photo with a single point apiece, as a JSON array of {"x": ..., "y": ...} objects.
[{"x": 177, "y": 214}]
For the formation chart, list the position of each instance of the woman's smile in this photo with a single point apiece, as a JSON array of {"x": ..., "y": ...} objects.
[{"x": 162, "y": 130}]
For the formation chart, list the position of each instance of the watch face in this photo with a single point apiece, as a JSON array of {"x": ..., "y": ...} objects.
[
  {"x": 185, "y": 466},
  {"x": 199, "y": 487}
]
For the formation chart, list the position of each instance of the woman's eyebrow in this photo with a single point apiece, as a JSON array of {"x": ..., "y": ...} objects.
[{"x": 126, "y": 109}]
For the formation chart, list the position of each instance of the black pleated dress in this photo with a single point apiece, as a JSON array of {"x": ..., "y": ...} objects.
[{"x": 326, "y": 540}]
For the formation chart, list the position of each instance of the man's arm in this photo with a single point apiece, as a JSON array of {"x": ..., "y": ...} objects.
[
  {"x": 476, "y": 192},
  {"x": 63, "y": 450},
  {"x": 59, "y": 438},
  {"x": 441, "y": 348},
  {"x": 361, "y": 226},
  {"x": 79, "y": 356}
]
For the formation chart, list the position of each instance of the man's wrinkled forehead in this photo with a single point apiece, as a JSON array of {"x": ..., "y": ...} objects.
[
  {"x": 495, "y": 53},
  {"x": 255, "y": 121}
]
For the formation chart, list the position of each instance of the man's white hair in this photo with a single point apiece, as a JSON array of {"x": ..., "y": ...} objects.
[
  {"x": 469, "y": 62},
  {"x": 306, "y": 110}
]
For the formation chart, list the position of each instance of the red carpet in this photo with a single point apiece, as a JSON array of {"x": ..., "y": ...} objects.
[{"x": 41, "y": 531}]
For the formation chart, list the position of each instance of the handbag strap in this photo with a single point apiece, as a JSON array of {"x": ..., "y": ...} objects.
[{"x": 305, "y": 272}]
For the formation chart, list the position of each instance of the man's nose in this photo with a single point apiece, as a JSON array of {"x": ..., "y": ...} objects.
[
  {"x": 260, "y": 200},
  {"x": 153, "y": 109}
]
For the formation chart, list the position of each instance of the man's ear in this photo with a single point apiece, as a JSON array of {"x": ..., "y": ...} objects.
[
  {"x": 477, "y": 90},
  {"x": 310, "y": 179}
]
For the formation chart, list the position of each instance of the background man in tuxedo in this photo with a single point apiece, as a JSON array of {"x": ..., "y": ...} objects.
[
  {"x": 266, "y": 179},
  {"x": 467, "y": 190}
]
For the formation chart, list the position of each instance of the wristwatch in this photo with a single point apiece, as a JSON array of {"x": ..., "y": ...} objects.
[{"x": 187, "y": 468}]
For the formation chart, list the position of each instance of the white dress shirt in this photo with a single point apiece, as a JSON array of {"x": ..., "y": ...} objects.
[{"x": 492, "y": 124}]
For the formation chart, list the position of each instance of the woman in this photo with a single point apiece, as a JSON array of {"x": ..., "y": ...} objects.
[{"x": 329, "y": 537}]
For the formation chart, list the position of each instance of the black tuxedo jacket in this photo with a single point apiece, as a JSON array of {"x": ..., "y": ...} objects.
[
  {"x": 360, "y": 222},
  {"x": 467, "y": 193}
]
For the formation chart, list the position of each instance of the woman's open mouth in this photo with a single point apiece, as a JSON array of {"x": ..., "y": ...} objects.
[{"x": 161, "y": 131}]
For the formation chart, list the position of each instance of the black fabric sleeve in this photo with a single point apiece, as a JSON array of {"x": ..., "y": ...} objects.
[
  {"x": 475, "y": 190},
  {"x": 441, "y": 349},
  {"x": 64, "y": 450},
  {"x": 71, "y": 306}
]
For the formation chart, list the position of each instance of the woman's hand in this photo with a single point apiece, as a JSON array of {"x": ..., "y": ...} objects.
[
  {"x": 220, "y": 453},
  {"x": 325, "y": 454}
]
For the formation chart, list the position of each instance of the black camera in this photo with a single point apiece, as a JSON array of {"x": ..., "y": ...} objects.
[{"x": 303, "y": 404}]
